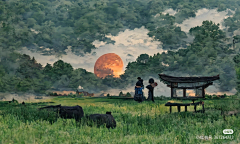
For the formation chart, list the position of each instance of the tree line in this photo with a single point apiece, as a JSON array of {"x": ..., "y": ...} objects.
[
  {"x": 207, "y": 55},
  {"x": 51, "y": 26}
]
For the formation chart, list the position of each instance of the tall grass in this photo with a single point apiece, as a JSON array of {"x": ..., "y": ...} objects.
[{"x": 136, "y": 123}]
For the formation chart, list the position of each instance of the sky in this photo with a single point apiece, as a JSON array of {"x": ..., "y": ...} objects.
[{"x": 129, "y": 44}]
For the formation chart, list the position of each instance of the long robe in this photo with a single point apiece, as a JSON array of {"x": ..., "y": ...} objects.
[
  {"x": 141, "y": 80},
  {"x": 150, "y": 92},
  {"x": 138, "y": 94}
]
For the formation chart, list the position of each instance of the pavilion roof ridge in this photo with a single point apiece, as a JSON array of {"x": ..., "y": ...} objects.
[{"x": 168, "y": 78}]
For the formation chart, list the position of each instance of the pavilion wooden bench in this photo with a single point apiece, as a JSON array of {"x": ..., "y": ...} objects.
[{"x": 185, "y": 105}]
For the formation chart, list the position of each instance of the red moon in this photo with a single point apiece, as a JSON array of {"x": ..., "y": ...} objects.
[{"x": 108, "y": 64}]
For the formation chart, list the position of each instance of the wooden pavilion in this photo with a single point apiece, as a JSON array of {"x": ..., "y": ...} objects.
[{"x": 183, "y": 83}]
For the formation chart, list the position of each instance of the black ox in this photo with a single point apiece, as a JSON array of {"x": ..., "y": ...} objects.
[
  {"x": 66, "y": 112},
  {"x": 102, "y": 119}
]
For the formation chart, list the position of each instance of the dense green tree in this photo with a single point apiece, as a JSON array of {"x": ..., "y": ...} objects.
[
  {"x": 61, "y": 68},
  {"x": 167, "y": 32},
  {"x": 128, "y": 94},
  {"x": 48, "y": 69},
  {"x": 120, "y": 94},
  {"x": 236, "y": 59},
  {"x": 143, "y": 58}
]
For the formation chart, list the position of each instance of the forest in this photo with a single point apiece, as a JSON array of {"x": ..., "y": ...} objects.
[{"x": 49, "y": 27}]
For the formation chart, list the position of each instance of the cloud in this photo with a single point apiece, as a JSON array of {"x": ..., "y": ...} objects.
[
  {"x": 236, "y": 32},
  {"x": 214, "y": 89},
  {"x": 167, "y": 11},
  {"x": 203, "y": 15},
  {"x": 170, "y": 12}
]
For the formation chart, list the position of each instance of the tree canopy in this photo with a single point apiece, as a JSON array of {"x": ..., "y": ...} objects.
[{"x": 50, "y": 27}]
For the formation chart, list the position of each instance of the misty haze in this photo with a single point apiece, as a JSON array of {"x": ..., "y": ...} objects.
[
  {"x": 119, "y": 71},
  {"x": 130, "y": 44}
]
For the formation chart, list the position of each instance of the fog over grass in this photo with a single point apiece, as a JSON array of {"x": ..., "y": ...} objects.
[{"x": 26, "y": 97}]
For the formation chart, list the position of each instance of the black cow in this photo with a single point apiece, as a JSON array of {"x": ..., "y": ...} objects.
[
  {"x": 67, "y": 112},
  {"x": 101, "y": 119},
  {"x": 51, "y": 108}
]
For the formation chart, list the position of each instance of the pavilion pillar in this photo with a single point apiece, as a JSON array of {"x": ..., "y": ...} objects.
[
  {"x": 171, "y": 90},
  {"x": 184, "y": 92},
  {"x": 203, "y": 92}
]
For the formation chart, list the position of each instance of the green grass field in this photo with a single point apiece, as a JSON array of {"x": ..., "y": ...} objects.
[{"x": 146, "y": 122}]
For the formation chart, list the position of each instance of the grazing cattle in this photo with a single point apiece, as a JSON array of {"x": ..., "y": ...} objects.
[
  {"x": 67, "y": 112},
  {"x": 101, "y": 119},
  {"x": 51, "y": 108}
]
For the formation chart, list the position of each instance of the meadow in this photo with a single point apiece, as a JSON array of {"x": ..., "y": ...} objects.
[{"x": 145, "y": 122}]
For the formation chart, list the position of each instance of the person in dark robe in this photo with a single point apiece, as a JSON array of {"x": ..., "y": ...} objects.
[
  {"x": 138, "y": 96},
  {"x": 141, "y": 80},
  {"x": 150, "y": 88}
]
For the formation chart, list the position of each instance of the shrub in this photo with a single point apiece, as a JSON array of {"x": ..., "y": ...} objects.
[
  {"x": 128, "y": 94},
  {"x": 121, "y": 93}
]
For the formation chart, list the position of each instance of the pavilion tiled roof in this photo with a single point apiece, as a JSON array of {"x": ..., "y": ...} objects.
[{"x": 172, "y": 79}]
